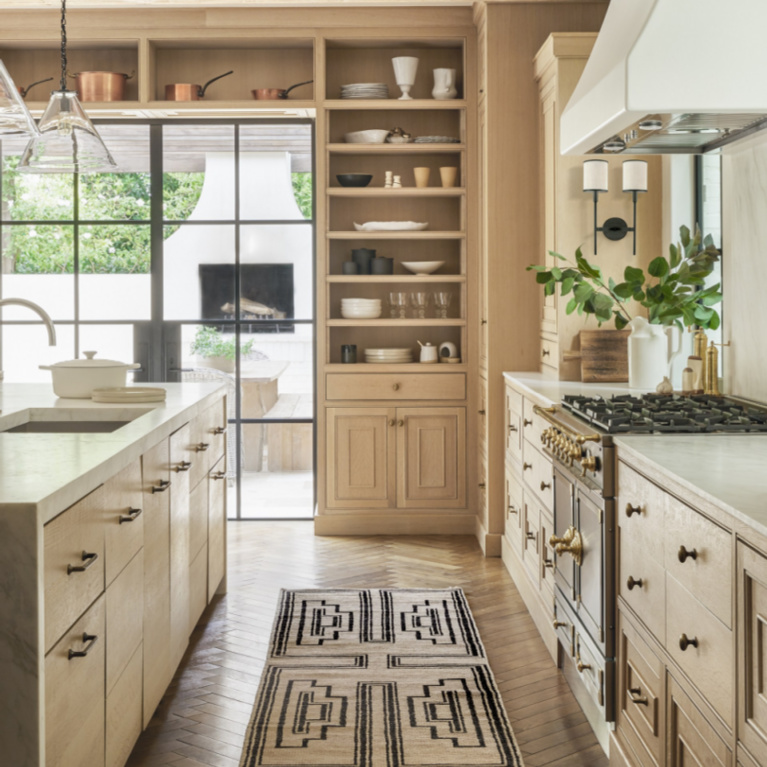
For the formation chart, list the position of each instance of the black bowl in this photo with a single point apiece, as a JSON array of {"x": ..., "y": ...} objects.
[{"x": 354, "y": 179}]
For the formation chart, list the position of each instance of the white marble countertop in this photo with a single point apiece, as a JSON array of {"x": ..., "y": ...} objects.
[
  {"x": 47, "y": 473},
  {"x": 729, "y": 472}
]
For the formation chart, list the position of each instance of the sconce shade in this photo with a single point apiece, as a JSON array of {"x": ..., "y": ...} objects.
[
  {"x": 635, "y": 176},
  {"x": 67, "y": 142},
  {"x": 595, "y": 176},
  {"x": 14, "y": 115}
]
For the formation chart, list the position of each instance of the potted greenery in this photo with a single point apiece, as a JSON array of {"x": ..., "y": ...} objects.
[
  {"x": 673, "y": 293},
  {"x": 216, "y": 351}
]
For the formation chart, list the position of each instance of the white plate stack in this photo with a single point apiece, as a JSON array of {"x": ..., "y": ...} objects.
[
  {"x": 360, "y": 308},
  {"x": 365, "y": 91},
  {"x": 391, "y": 356}
]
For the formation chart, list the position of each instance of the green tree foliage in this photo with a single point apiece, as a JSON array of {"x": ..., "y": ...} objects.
[{"x": 302, "y": 189}]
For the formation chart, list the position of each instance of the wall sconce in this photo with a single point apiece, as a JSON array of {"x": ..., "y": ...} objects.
[{"x": 634, "y": 181}]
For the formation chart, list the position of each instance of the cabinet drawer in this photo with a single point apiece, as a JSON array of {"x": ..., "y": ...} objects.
[
  {"x": 709, "y": 665},
  {"x": 74, "y": 694},
  {"x": 514, "y": 501},
  {"x": 641, "y": 698},
  {"x": 538, "y": 475},
  {"x": 125, "y": 618},
  {"x": 641, "y": 512},
  {"x": 594, "y": 671},
  {"x": 532, "y": 537},
  {"x": 532, "y": 424},
  {"x": 74, "y": 539},
  {"x": 642, "y": 584},
  {"x": 396, "y": 386},
  {"x": 707, "y": 552},
  {"x": 123, "y": 519},
  {"x": 123, "y": 712},
  {"x": 206, "y": 442},
  {"x": 513, "y": 425},
  {"x": 549, "y": 354}
]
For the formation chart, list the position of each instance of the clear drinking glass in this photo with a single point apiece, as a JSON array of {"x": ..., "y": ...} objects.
[
  {"x": 419, "y": 301},
  {"x": 442, "y": 299},
  {"x": 397, "y": 305}
]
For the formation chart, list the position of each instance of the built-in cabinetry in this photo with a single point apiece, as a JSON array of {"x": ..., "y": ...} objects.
[{"x": 126, "y": 573}]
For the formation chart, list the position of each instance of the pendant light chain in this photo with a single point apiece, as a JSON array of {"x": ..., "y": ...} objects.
[{"x": 63, "y": 45}]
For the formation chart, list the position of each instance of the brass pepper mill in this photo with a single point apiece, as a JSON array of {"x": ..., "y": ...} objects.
[
  {"x": 699, "y": 343},
  {"x": 711, "y": 371}
]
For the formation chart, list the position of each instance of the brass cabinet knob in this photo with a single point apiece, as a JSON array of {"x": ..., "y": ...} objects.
[
  {"x": 545, "y": 485},
  {"x": 401, "y": 422},
  {"x": 395, "y": 387},
  {"x": 581, "y": 666},
  {"x": 545, "y": 352},
  {"x": 630, "y": 510},
  {"x": 526, "y": 466},
  {"x": 483, "y": 322},
  {"x": 527, "y": 422},
  {"x": 684, "y": 554},
  {"x": 570, "y": 543},
  {"x": 635, "y": 695},
  {"x": 631, "y": 582},
  {"x": 558, "y": 624},
  {"x": 392, "y": 422},
  {"x": 685, "y": 642}
]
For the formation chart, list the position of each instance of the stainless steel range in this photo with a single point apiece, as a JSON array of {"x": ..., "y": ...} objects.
[{"x": 579, "y": 439}]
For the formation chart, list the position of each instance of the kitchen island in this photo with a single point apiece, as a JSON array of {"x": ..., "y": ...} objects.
[{"x": 111, "y": 545}]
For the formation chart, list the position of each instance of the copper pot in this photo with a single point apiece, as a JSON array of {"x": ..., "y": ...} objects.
[
  {"x": 273, "y": 94},
  {"x": 190, "y": 91},
  {"x": 101, "y": 86}
]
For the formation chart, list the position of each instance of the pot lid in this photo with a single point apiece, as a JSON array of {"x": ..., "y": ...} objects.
[{"x": 90, "y": 362}]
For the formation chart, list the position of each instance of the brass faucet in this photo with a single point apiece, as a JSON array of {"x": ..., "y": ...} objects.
[{"x": 44, "y": 316}]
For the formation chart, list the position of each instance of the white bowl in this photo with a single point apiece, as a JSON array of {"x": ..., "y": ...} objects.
[
  {"x": 354, "y": 314},
  {"x": 422, "y": 267},
  {"x": 366, "y": 137}
]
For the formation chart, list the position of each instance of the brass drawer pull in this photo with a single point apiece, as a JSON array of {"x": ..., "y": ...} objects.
[
  {"x": 526, "y": 466},
  {"x": 482, "y": 485},
  {"x": 581, "y": 666},
  {"x": 395, "y": 387},
  {"x": 218, "y": 431},
  {"x": 512, "y": 427},
  {"x": 162, "y": 487},
  {"x": 558, "y": 624},
  {"x": 90, "y": 640},
  {"x": 483, "y": 322},
  {"x": 684, "y": 554},
  {"x": 636, "y": 697},
  {"x": 218, "y": 475},
  {"x": 530, "y": 536},
  {"x": 527, "y": 422},
  {"x": 685, "y": 642},
  {"x": 201, "y": 447},
  {"x": 481, "y": 412},
  {"x": 631, "y": 582},
  {"x": 632, "y": 509},
  {"x": 183, "y": 466},
  {"x": 545, "y": 485},
  {"x": 88, "y": 559},
  {"x": 132, "y": 515},
  {"x": 548, "y": 563},
  {"x": 512, "y": 510}
]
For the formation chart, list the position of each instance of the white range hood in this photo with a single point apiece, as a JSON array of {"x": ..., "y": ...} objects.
[{"x": 671, "y": 76}]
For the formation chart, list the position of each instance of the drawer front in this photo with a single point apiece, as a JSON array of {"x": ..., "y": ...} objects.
[
  {"x": 549, "y": 354},
  {"x": 707, "y": 552},
  {"x": 538, "y": 475},
  {"x": 641, "y": 699},
  {"x": 198, "y": 519},
  {"x": 596, "y": 674},
  {"x": 396, "y": 386},
  {"x": 641, "y": 512},
  {"x": 123, "y": 712},
  {"x": 514, "y": 507},
  {"x": 532, "y": 538},
  {"x": 709, "y": 665},
  {"x": 215, "y": 430},
  {"x": 532, "y": 424},
  {"x": 74, "y": 694},
  {"x": 564, "y": 625},
  {"x": 123, "y": 516},
  {"x": 74, "y": 564},
  {"x": 513, "y": 425},
  {"x": 642, "y": 584},
  {"x": 125, "y": 618}
]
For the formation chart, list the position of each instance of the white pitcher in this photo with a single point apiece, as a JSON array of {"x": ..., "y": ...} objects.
[
  {"x": 650, "y": 353},
  {"x": 444, "y": 84}
]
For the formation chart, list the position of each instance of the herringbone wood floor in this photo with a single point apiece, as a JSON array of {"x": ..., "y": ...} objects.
[{"x": 202, "y": 719}]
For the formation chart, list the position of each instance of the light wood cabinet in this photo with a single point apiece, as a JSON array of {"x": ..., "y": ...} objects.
[{"x": 217, "y": 528}]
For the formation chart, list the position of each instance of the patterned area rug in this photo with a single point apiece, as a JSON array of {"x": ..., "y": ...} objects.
[{"x": 378, "y": 678}]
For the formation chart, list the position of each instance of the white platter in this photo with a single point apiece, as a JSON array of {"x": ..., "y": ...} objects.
[
  {"x": 422, "y": 267},
  {"x": 391, "y": 226}
]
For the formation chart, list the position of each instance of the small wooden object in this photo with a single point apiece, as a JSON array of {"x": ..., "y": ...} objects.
[{"x": 603, "y": 356}]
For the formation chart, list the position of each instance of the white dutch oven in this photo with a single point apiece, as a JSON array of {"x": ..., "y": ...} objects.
[{"x": 76, "y": 379}]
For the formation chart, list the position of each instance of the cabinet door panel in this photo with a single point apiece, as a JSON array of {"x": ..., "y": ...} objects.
[
  {"x": 198, "y": 519},
  {"x": 123, "y": 713},
  {"x": 216, "y": 529},
  {"x": 125, "y": 609},
  {"x": 361, "y": 457},
  {"x": 431, "y": 457},
  {"x": 123, "y": 519}
]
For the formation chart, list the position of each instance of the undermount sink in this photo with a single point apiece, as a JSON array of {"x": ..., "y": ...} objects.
[{"x": 68, "y": 421}]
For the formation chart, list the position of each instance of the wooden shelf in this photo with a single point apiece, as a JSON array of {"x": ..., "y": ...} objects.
[
  {"x": 407, "y": 191},
  {"x": 424, "y": 235},
  {"x": 367, "y": 279},
  {"x": 209, "y": 106},
  {"x": 389, "y": 104},
  {"x": 388, "y": 323},
  {"x": 395, "y": 148},
  {"x": 403, "y": 367}
]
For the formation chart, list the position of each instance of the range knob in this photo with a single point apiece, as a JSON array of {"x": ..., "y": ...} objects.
[{"x": 588, "y": 463}]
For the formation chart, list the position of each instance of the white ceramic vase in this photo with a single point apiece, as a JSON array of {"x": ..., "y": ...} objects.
[
  {"x": 405, "y": 68},
  {"x": 444, "y": 84},
  {"x": 651, "y": 350}
]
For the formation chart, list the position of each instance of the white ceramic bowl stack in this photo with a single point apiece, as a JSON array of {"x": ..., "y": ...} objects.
[
  {"x": 390, "y": 356},
  {"x": 360, "y": 308}
]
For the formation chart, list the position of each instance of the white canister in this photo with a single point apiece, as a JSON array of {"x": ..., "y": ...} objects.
[
  {"x": 650, "y": 353},
  {"x": 444, "y": 84}
]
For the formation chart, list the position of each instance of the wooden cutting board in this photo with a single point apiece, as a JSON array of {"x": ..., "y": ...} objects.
[{"x": 603, "y": 355}]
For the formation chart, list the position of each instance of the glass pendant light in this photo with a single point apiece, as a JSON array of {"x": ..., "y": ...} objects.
[
  {"x": 67, "y": 140},
  {"x": 14, "y": 115}
]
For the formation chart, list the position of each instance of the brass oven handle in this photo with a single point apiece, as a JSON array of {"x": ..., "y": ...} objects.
[
  {"x": 570, "y": 543},
  {"x": 90, "y": 640},
  {"x": 631, "y": 582},
  {"x": 547, "y": 412},
  {"x": 635, "y": 696},
  {"x": 683, "y": 554},
  {"x": 132, "y": 515},
  {"x": 632, "y": 509},
  {"x": 88, "y": 559},
  {"x": 685, "y": 642}
]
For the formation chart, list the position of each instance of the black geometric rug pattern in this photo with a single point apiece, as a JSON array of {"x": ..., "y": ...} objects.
[{"x": 377, "y": 678}]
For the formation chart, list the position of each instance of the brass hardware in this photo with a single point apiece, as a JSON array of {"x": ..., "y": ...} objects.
[
  {"x": 482, "y": 485},
  {"x": 401, "y": 422},
  {"x": 481, "y": 412},
  {"x": 218, "y": 475},
  {"x": 392, "y": 422},
  {"x": 527, "y": 422},
  {"x": 545, "y": 485},
  {"x": 557, "y": 623},
  {"x": 631, "y": 582},
  {"x": 512, "y": 427},
  {"x": 589, "y": 463},
  {"x": 570, "y": 543},
  {"x": 581, "y": 666},
  {"x": 634, "y": 696},
  {"x": 87, "y": 558},
  {"x": 632, "y": 509},
  {"x": 512, "y": 510},
  {"x": 183, "y": 466},
  {"x": 395, "y": 387},
  {"x": 90, "y": 640},
  {"x": 547, "y": 412},
  {"x": 683, "y": 554},
  {"x": 218, "y": 431},
  {"x": 685, "y": 642},
  {"x": 526, "y": 466},
  {"x": 483, "y": 322},
  {"x": 545, "y": 352},
  {"x": 530, "y": 536},
  {"x": 548, "y": 563},
  {"x": 163, "y": 485},
  {"x": 201, "y": 447},
  {"x": 132, "y": 515}
]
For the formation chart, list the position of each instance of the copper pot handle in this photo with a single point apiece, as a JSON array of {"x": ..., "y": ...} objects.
[
  {"x": 284, "y": 93},
  {"x": 28, "y": 88},
  {"x": 202, "y": 90}
]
